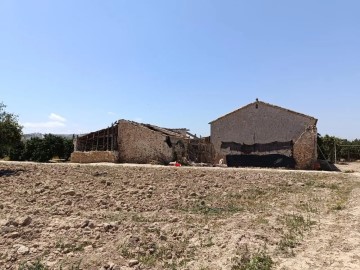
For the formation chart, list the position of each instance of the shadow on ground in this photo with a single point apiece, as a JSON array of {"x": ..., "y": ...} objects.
[
  {"x": 328, "y": 166},
  {"x": 9, "y": 172}
]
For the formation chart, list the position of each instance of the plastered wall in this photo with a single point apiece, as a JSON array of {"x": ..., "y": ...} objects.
[{"x": 261, "y": 123}]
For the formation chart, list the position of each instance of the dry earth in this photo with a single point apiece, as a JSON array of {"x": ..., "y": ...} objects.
[{"x": 69, "y": 216}]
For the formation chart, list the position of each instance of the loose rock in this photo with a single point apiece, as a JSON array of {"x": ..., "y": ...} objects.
[
  {"x": 70, "y": 192},
  {"x": 22, "y": 250},
  {"x": 133, "y": 263},
  {"x": 25, "y": 221}
]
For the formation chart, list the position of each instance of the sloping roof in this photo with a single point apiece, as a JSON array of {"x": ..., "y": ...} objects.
[
  {"x": 165, "y": 131},
  {"x": 266, "y": 104}
]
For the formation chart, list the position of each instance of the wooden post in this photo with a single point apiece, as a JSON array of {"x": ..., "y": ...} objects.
[
  {"x": 97, "y": 141},
  {"x": 112, "y": 138},
  {"x": 116, "y": 136},
  {"x": 75, "y": 143},
  {"x": 103, "y": 141},
  {"x": 107, "y": 139},
  {"x": 111, "y": 132},
  {"x": 86, "y": 143}
]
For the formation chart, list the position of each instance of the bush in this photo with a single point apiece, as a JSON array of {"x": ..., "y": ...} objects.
[
  {"x": 68, "y": 148},
  {"x": 35, "y": 266},
  {"x": 258, "y": 261},
  {"x": 36, "y": 149},
  {"x": 17, "y": 152},
  {"x": 43, "y": 150}
]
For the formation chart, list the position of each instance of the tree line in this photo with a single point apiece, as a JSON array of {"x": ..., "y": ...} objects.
[
  {"x": 331, "y": 147},
  {"x": 15, "y": 147}
]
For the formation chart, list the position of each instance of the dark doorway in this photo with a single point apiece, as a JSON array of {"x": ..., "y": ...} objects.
[{"x": 269, "y": 161}]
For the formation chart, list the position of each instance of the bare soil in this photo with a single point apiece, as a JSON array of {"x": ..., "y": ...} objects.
[{"x": 106, "y": 216}]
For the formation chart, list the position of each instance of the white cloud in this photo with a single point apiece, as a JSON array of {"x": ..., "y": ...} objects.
[
  {"x": 49, "y": 124},
  {"x": 57, "y": 118},
  {"x": 138, "y": 119},
  {"x": 55, "y": 124}
]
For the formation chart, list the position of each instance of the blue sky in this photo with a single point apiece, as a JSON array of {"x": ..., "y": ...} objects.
[{"x": 77, "y": 66}]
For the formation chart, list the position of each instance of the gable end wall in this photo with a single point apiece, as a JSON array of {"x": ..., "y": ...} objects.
[{"x": 264, "y": 124}]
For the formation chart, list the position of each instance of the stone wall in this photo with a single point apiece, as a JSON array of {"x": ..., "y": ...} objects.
[
  {"x": 140, "y": 144},
  {"x": 200, "y": 151},
  {"x": 94, "y": 156},
  {"x": 305, "y": 149}
]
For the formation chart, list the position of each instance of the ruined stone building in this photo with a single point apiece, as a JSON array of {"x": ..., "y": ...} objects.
[
  {"x": 264, "y": 135},
  {"x": 132, "y": 142},
  {"x": 258, "y": 134}
]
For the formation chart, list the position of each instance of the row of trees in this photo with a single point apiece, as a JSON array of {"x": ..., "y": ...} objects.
[
  {"x": 13, "y": 146},
  {"x": 42, "y": 150},
  {"x": 331, "y": 148}
]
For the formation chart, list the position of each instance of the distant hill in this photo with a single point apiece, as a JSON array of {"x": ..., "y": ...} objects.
[
  {"x": 41, "y": 135},
  {"x": 33, "y": 135}
]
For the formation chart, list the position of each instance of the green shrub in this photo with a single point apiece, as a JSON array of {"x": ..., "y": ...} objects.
[
  {"x": 36, "y": 266},
  {"x": 257, "y": 261},
  {"x": 43, "y": 150}
]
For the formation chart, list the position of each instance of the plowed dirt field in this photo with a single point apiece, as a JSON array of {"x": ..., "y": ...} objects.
[{"x": 111, "y": 216}]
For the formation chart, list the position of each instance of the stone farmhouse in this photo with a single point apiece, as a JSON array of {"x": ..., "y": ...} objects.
[
  {"x": 264, "y": 135},
  {"x": 132, "y": 142},
  {"x": 258, "y": 134}
]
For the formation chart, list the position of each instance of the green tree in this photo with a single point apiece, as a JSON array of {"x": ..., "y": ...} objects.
[
  {"x": 68, "y": 148},
  {"x": 37, "y": 149},
  {"x": 18, "y": 151},
  {"x": 43, "y": 150},
  {"x": 10, "y": 131},
  {"x": 349, "y": 150},
  {"x": 59, "y": 146},
  {"x": 345, "y": 149},
  {"x": 55, "y": 145}
]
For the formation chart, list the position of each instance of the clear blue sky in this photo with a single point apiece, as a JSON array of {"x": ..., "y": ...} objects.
[{"x": 77, "y": 66}]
